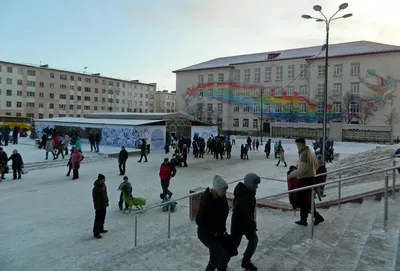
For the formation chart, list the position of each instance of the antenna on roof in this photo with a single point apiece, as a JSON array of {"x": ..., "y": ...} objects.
[{"x": 84, "y": 70}]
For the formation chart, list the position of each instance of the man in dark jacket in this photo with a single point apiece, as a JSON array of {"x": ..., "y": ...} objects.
[
  {"x": 122, "y": 157},
  {"x": 97, "y": 139},
  {"x": 3, "y": 163},
  {"x": 100, "y": 201},
  {"x": 211, "y": 222},
  {"x": 143, "y": 150},
  {"x": 17, "y": 164},
  {"x": 243, "y": 217}
]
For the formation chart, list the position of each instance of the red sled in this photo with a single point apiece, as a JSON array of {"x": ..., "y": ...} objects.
[{"x": 294, "y": 183}]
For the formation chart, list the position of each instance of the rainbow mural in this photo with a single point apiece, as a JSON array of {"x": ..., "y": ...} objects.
[{"x": 382, "y": 89}]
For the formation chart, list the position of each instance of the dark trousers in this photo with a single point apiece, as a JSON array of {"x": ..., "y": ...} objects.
[
  {"x": 165, "y": 188},
  {"x": 141, "y": 157},
  {"x": 279, "y": 161},
  {"x": 233, "y": 142},
  {"x": 228, "y": 155},
  {"x": 92, "y": 146},
  {"x": 121, "y": 202},
  {"x": 251, "y": 245},
  {"x": 97, "y": 146},
  {"x": 304, "y": 200},
  {"x": 219, "y": 257},
  {"x": 60, "y": 152},
  {"x": 15, "y": 139},
  {"x": 99, "y": 218},
  {"x": 75, "y": 174},
  {"x": 69, "y": 170},
  {"x": 122, "y": 166},
  {"x": 15, "y": 171},
  {"x": 47, "y": 154},
  {"x": 267, "y": 153}
]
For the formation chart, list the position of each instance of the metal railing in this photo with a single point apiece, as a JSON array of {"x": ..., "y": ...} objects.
[
  {"x": 344, "y": 180},
  {"x": 339, "y": 181}
]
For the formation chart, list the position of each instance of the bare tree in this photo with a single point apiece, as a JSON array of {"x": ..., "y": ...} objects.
[
  {"x": 319, "y": 102},
  {"x": 200, "y": 111},
  {"x": 349, "y": 113},
  {"x": 392, "y": 118},
  {"x": 365, "y": 113}
]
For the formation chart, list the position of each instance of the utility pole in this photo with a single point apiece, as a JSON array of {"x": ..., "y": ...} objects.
[{"x": 262, "y": 112}]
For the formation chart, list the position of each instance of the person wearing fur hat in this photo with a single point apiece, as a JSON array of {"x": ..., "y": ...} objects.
[
  {"x": 305, "y": 173},
  {"x": 211, "y": 221},
  {"x": 100, "y": 201},
  {"x": 243, "y": 217}
]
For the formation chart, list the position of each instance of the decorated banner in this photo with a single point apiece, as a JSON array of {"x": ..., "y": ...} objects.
[{"x": 205, "y": 131}]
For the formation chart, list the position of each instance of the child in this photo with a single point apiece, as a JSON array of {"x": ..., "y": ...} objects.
[
  {"x": 126, "y": 193},
  {"x": 321, "y": 179},
  {"x": 293, "y": 183}
]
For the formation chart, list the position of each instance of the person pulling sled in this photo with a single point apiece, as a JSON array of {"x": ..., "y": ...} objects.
[
  {"x": 167, "y": 171},
  {"x": 126, "y": 197}
]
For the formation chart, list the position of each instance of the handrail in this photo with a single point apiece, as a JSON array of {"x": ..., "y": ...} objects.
[
  {"x": 347, "y": 179},
  {"x": 175, "y": 200}
]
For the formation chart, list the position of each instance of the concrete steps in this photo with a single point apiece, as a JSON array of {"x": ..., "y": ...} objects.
[{"x": 352, "y": 238}]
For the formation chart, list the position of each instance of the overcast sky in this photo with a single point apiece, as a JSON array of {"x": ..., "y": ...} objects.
[{"x": 146, "y": 40}]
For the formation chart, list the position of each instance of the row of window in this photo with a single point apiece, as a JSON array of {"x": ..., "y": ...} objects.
[
  {"x": 278, "y": 71},
  {"x": 302, "y": 90},
  {"x": 245, "y": 123},
  {"x": 31, "y": 72},
  {"x": 210, "y": 107}
]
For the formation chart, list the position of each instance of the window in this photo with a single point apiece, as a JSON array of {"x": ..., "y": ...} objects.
[
  {"x": 19, "y": 82},
  {"x": 303, "y": 108},
  {"x": 63, "y": 96},
  {"x": 71, "y": 97},
  {"x": 278, "y": 108},
  {"x": 41, "y": 105},
  {"x": 8, "y": 114},
  {"x": 321, "y": 70},
  {"x": 61, "y": 106},
  {"x": 20, "y": 71},
  {"x": 40, "y": 116},
  {"x": 52, "y": 75},
  {"x": 256, "y": 108},
  {"x": 246, "y": 108},
  {"x": 235, "y": 92},
  {"x": 9, "y": 69},
  {"x": 337, "y": 88},
  {"x": 268, "y": 74},
  {"x": 220, "y": 77},
  {"x": 245, "y": 123},
  {"x": 290, "y": 91},
  {"x": 236, "y": 108},
  {"x": 31, "y": 72},
  {"x": 96, "y": 99},
  {"x": 303, "y": 71},
  {"x": 71, "y": 87},
  {"x": 220, "y": 93},
  {"x": 257, "y": 74},
  {"x": 289, "y": 108},
  {"x": 30, "y": 104},
  {"x": 246, "y": 92},
  {"x": 247, "y": 75},
  {"x": 237, "y": 77},
  {"x": 88, "y": 80},
  {"x": 63, "y": 86},
  {"x": 291, "y": 71},
  {"x": 220, "y": 107},
  {"x": 211, "y": 78},
  {"x": 256, "y": 93},
  {"x": 30, "y": 83},
  {"x": 71, "y": 78},
  {"x": 355, "y": 88},
  {"x": 210, "y": 92},
  {"x": 19, "y": 92},
  {"x": 255, "y": 123},
  {"x": 9, "y": 92},
  {"x": 267, "y": 92},
  {"x": 320, "y": 107},
  {"x": 19, "y": 115},
  {"x": 267, "y": 108},
  {"x": 355, "y": 69},
  {"x": 51, "y": 106},
  {"x": 279, "y": 73},
  {"x": 337, "y": 107},
  {"x": 42, "y": 74},
  {"x": 41, "y": 94},
  {"x": 51, "y": 85},
  {"x": 87, "y": 98},
  {"x": 338, "y": 70},
  {"x": 219, "y": 120},
  {"x": 8, "y": 104},
  {"x": 303, "y": 90},
  {"x": 41, "y": 84},
  {"x": 86, "y": 107},
  {"x": 71, "y": 107},
  {"x": 51, "y": 95},
  {"x": 209, "y": 108},
  {"x": 51, "y": 116},
  {"x": 354, "y": 107},
  {"x": 235, "y": 123},
  {"x": 63, "y": 77},
  {"x": 320, "y": 89},
  {"x": 80, "y": 89},
  {"x": 30, "y": 94},
  {"x": 9, "y": 81},
  {"x": 19, "y": 104},
  {"x": 278, "y": 91},
  {"x": 87, "y": 89},
  {"x": 201, "y": 79},
  {"x": 30, "y": 115}
]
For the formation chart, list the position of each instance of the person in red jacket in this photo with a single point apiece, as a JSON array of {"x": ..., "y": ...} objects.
[{"x": 167, "y": 171}]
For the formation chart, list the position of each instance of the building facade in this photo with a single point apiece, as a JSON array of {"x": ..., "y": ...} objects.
[
  {"x": 44, "y": 92},
  {"x": 165, "y": 101},
  {"x": 288, "y": 86}
]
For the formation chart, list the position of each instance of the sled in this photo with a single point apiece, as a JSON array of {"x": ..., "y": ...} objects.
[
  {"x": 139, "y": 203},
  {"x": 168, "y": 205}
]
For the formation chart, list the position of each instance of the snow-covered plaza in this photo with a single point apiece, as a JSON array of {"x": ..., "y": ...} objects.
[{"x": 47, "y": 219}]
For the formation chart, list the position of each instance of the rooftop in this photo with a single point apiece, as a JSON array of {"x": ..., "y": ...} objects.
[
  {"x": 86, "y": 74},
  {"x": 335, "y": 50},
  {"x": 125, "y": 122}
]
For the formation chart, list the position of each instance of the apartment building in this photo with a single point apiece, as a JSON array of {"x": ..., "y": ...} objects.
[
  {"x": 45, "y": 92},
  {"x": 165, "y": 101},
  {"x": 288, "y": 86}
]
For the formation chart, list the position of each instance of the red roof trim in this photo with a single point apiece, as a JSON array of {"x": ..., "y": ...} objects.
[
  {"x": 359, "y": 54},
  {"x": 202, "y": 69}
]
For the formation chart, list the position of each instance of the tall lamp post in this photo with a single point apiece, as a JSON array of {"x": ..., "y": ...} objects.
[
  {"x": 326, "y": 47},
  {"x": 262, "y": 112}
]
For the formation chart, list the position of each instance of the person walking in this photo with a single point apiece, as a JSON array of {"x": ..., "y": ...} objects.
[
  {"x": 167, "y": 171},
  {"x": 50, "y": 148},
  {"x": 305, "y": 172},
  {"x": 100, "y": 201},
  {"x": 211, "y": 222},
  {"x": 243, "y": 217},
  {"x": 122, "y": 158},
  {"x": 281, "y": 153},
  {"x": 17, "y": 164},
  {"x": 267, "y": 148},
  {"x": 76, "y": 159},
  {"x": 143, "y": 151}
]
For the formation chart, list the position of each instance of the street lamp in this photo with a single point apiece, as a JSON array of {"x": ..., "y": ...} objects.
[
  {"x": 327, "y": 21},
  {"x": 261, "y": 111}
]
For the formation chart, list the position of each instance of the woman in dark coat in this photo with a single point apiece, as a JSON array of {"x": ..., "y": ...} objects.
[
  {"x": 17, "y": 164},
  {"x": 211, "y": 221}
]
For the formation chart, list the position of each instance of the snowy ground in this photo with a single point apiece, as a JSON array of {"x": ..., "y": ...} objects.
[{"x": 46, "y": 218}]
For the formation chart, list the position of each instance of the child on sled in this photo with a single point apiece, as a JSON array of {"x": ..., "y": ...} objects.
[{"x": 126, "y": 197}]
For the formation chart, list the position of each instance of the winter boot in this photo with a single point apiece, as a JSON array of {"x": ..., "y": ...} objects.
[
  {"x": 318, "y": 219},
  {"x": 302, "y": 223},
  {"x": 98, "y": 236},
  {"x": 248, "y": 265}
]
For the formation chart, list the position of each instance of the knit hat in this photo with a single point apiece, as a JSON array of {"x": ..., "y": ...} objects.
[
  {"x": 125, "y": 178},
  {"x": 219, "y": 183},
  {"x": 101, "y": 177},
  {"x": 251, "y": 179}
]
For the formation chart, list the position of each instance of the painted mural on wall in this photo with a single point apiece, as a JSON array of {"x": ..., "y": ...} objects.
[
  {"x": 383, "y": 90},
  {"x": 204, "y": 131}
]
